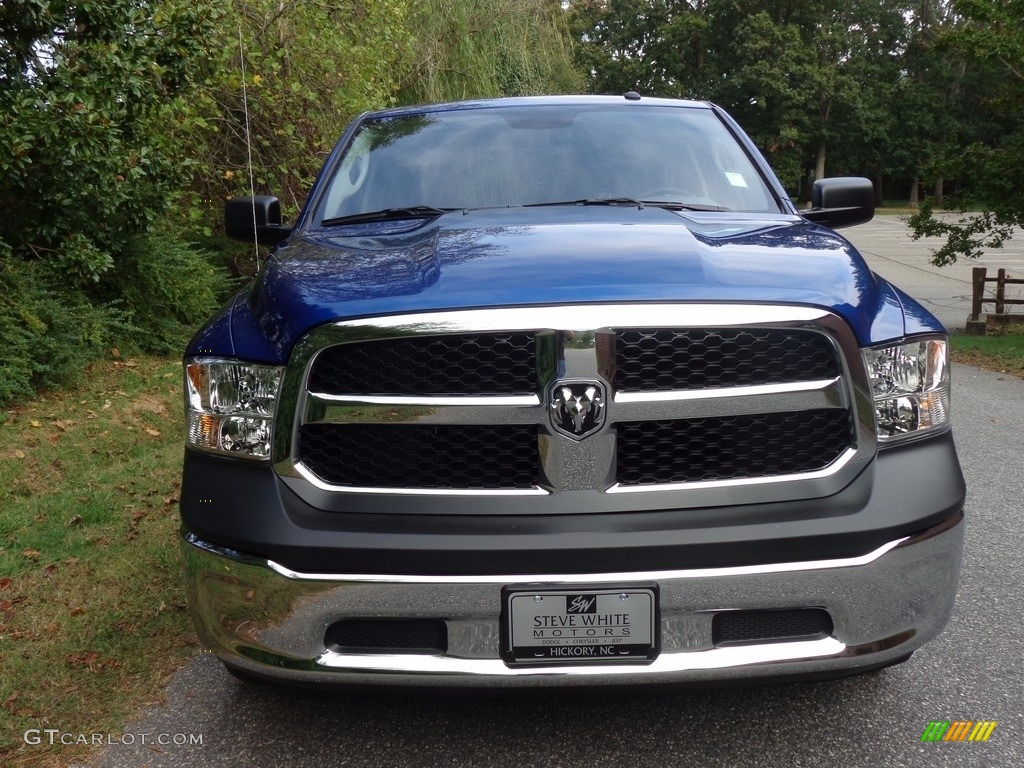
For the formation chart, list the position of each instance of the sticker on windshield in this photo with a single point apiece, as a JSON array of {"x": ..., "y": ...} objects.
[{"x": 736, "y": 179}]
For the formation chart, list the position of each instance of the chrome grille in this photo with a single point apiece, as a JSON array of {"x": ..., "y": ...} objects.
[{"x": 762, "y": 398}]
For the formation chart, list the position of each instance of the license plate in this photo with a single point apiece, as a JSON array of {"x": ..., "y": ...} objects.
[{"x": 595, "y": 626}]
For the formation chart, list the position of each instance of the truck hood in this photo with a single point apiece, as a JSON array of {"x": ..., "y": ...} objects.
[{"x": 573, "y": 254}]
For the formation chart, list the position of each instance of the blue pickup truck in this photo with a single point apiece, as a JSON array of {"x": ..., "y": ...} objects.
[{"x": 565, "y": 391}]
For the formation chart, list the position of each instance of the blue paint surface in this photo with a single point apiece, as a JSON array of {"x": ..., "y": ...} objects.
[{"x": 554, "y": 255}]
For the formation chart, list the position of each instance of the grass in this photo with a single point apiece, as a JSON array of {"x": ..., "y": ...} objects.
[
  {"x": 1002, "y": 350},
  {"x": 895, "y": 208},
  {"x": 902, "y": 208},
  {"x": 92, "y": 608}
]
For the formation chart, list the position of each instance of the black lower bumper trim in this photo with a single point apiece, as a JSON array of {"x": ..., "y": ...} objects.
[{"x": 244, "y": 506}]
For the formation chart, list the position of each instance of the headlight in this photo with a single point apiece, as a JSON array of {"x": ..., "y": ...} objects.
[
  {"x": 910, "y": 387},
  {"x": 230, "y": 406}
]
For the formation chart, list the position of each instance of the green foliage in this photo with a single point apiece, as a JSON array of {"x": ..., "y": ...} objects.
[
  {"x": 771, "y": 91},
  {"x": 880, "y": 88},
  {"x": 48, "y": 334},
  {"x": 151, "y": 300},
  {"x": 308, "y": 69},
  {"x": 86, "y": 166},
  {"x": 658, "y": 48},
  {"x": 990, "y": 164},
  {"x": 165, "y": 288},
  {"x": 81, "y": 167},
  {"x": 487, "y": 48}
]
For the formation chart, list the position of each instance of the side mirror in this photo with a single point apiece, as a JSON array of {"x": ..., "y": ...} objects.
[
  {"x": 255, "y": 218},
  {"x": 841, "y": 202}
]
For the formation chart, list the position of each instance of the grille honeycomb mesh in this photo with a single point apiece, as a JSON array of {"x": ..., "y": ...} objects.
[
  {"x": 729, "y": 448},
  {"x": 697, "y": 358},
  {"x": 463, "y": 457},
  {"x": 501, "y": 456},
  {"x": 731, "y": 627},
  {"x": 470, "y": 364}
]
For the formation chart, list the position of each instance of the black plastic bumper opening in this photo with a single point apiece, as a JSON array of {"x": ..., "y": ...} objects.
[
  {"x": 387, "y": 636},
  {"x": 744, "y": 627}
]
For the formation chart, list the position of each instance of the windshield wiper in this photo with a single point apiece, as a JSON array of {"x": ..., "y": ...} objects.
[
  {"x": 640, "y": 204},
  {"x": 388, "y": 214},
  {"x": 591, "y": 201},
  {"x": 673, "y": 205}
]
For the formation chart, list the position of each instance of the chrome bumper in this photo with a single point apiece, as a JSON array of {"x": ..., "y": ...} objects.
[{"x": 265, "y": 619}]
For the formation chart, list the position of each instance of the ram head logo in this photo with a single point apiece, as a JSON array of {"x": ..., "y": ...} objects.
[{"x": 577, "y": 408}]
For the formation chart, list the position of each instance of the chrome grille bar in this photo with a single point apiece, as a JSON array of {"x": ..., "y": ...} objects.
[{"x": 579, "y": 342}]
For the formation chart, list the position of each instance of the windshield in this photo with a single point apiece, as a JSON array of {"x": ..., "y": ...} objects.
[{"x": 531, "y": 155}]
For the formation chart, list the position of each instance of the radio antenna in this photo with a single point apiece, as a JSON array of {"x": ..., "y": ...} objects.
[{"x": 248, "y": 148}]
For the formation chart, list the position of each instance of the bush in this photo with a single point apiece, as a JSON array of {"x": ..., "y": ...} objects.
[
  {"x": 159, "y": 291},
  {"x": 47, "y": 338},
  {"x": 165, "y": 288}
]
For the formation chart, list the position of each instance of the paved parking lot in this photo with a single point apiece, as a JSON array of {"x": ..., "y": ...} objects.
[{"x": 886, "y": 244}]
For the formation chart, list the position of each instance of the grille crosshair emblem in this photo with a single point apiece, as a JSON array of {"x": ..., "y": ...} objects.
[{"x": 577, "y": 408}]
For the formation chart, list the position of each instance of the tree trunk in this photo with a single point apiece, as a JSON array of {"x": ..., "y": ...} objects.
[
  {"x": 819, "y": 163},
  {"x": 804, "y": 194},
  {"x": 282, "y": 40},
  {"x": 914, "y": 192},
  {"x": 938, "y": 191}
]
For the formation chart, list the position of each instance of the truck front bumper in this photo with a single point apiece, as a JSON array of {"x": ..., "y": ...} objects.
[{"x": 262, "y": 618}]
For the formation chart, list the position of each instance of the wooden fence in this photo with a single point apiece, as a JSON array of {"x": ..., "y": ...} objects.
[{"x": 979, "y": 279}]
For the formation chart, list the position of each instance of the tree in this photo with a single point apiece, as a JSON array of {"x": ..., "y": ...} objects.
[
  {"x": 310, "y": 68},
  {"x": 87, "y": 170},
  {"x": 656, "y": 47},
  {"x": 786, "y": 70},
  {"x": 286, "y": 78},
  {"x": 771, "y": 82},
  {"x": 82, "y": 88},
  {"x": 990, "y": 165},
  {"x": 487, "y": 48},
  {"x": 928, "y": 106}
]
